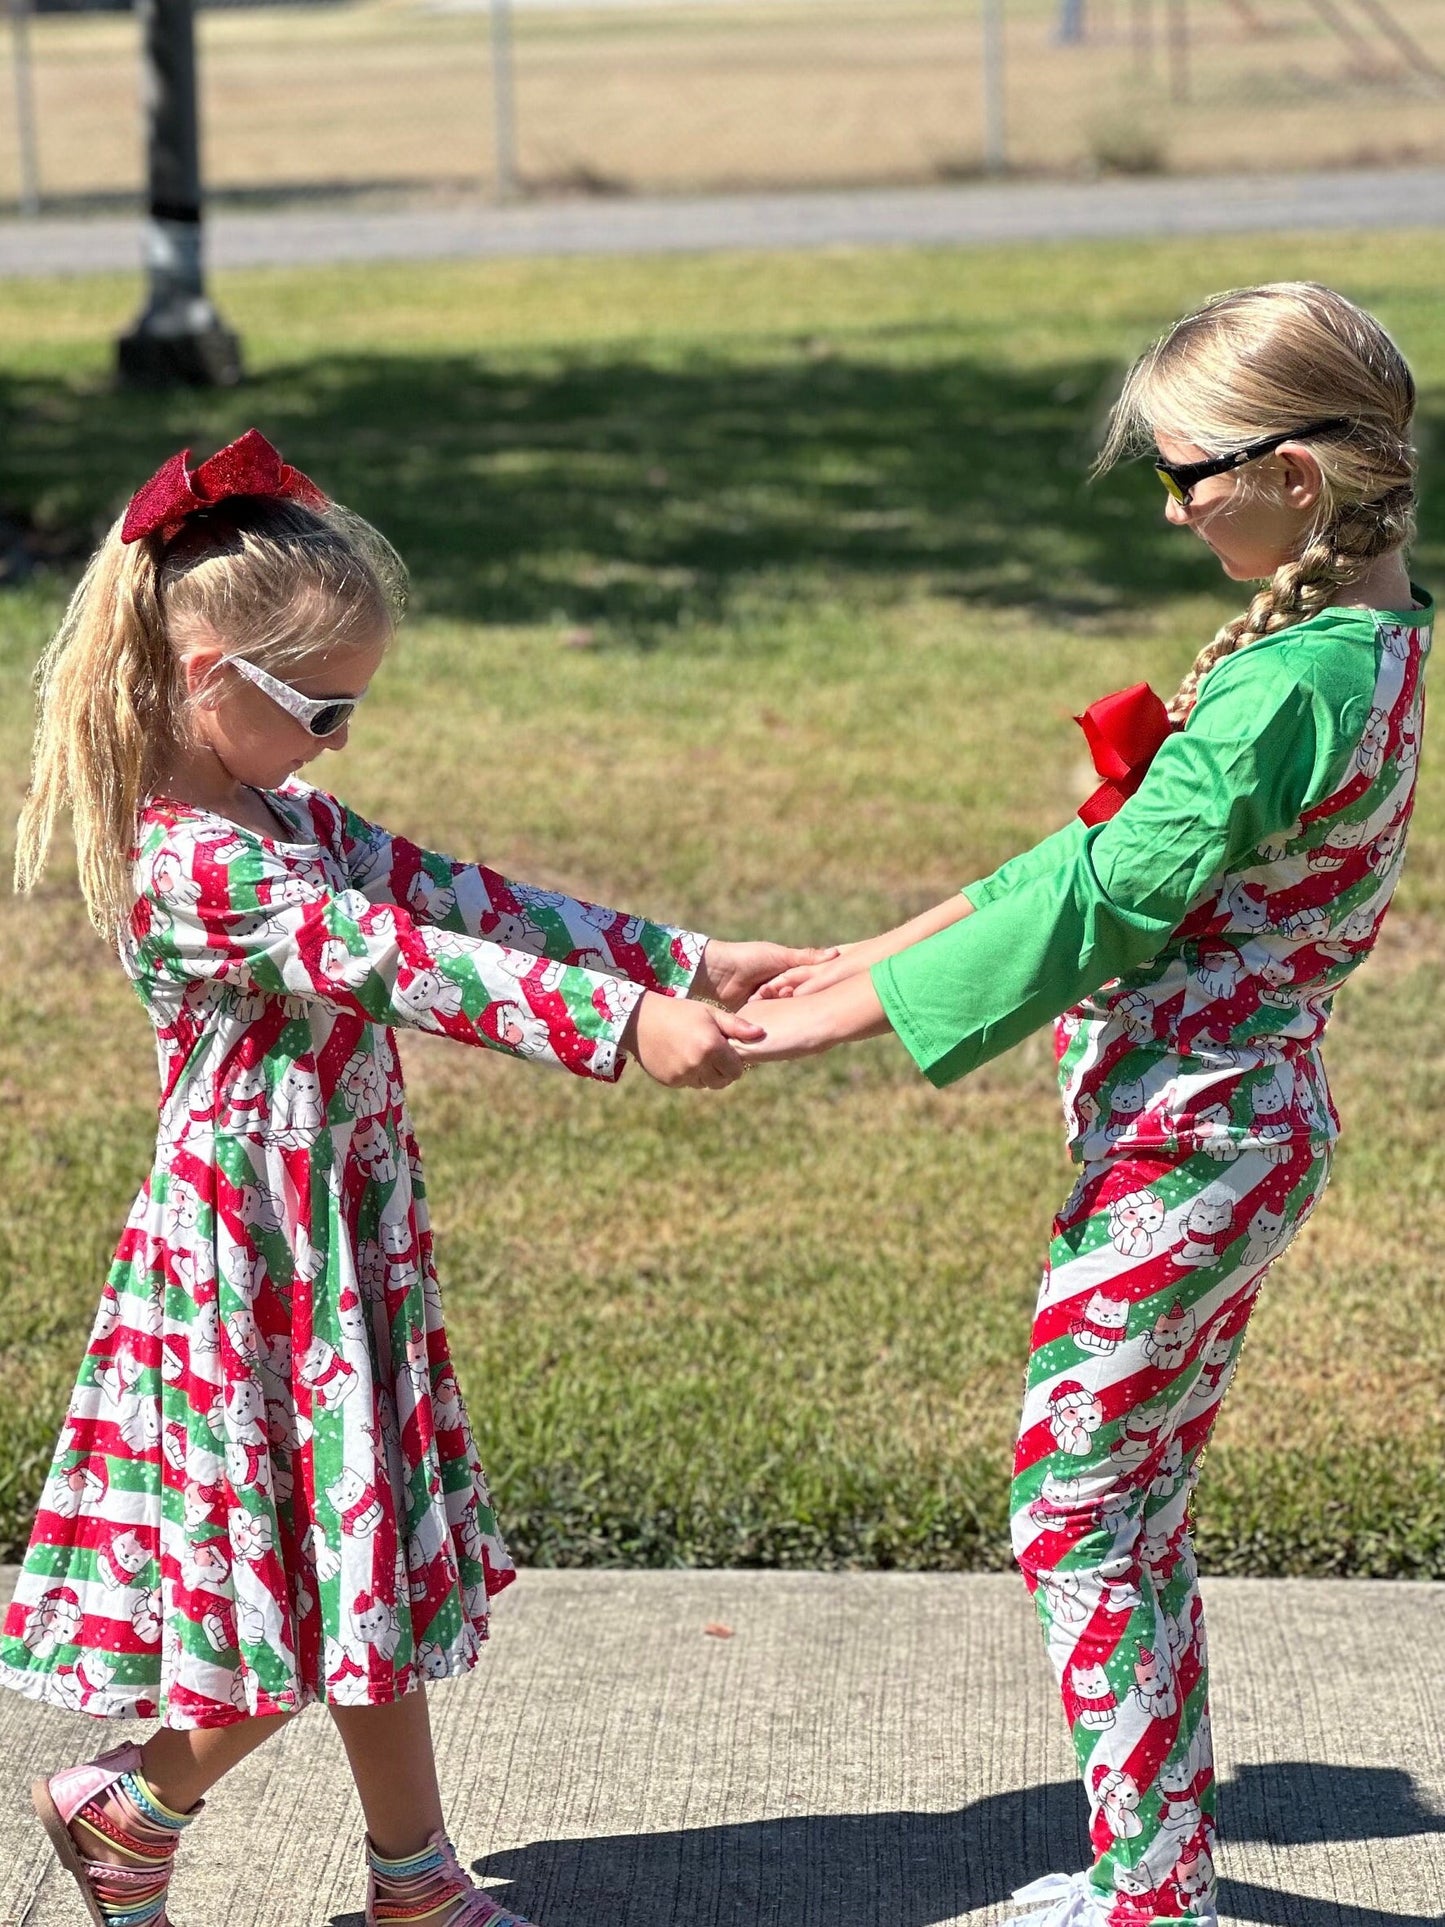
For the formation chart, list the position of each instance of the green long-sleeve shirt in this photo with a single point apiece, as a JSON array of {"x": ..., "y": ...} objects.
[{"x": 1272, "y": 735}]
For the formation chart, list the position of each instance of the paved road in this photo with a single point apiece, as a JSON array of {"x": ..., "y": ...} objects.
[
  {"x": 865, "y": 1747},
  {"x": 881, "y": 217}
]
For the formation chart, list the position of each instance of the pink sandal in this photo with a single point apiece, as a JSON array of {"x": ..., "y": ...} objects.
[
  {"x": 58, "y": 1799},
  {"x": 435, "y": 1876}
]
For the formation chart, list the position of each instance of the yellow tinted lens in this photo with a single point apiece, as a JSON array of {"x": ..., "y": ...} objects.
[{"x": 1169, "y": 482}]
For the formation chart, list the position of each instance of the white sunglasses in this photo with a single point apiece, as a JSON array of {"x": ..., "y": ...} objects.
[{"x": 322, "y": 715}]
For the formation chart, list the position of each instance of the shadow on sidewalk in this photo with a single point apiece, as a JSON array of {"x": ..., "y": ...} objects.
[{"x": 917, "y": 1869}]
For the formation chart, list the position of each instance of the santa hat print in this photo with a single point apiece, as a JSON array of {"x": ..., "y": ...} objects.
[
  {"x": 498, "y": 1019},
  {"x": 588, "y": 957},
  {"x": 605, "y": 1001}
]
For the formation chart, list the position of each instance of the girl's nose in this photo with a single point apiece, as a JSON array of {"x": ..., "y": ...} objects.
[
  {"x": 337, "y": 738},
  {"x": 1176, "y": 512}
]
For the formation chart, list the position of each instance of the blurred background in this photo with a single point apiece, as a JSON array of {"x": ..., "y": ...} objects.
[{"x": 392, "y": 100}]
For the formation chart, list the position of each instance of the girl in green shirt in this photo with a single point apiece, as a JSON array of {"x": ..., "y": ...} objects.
[{"x": 1187, "y": 934}]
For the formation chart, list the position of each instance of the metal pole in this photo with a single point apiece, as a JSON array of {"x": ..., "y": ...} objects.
[
  {"x": 1178, "y": 50},
  {"x": 1143, "y": 22},
  {"x": 504, "y": 118},
  {"x": 25, "y": 110},
  {"x": 1349, "y": 33},
  {"x": 1416, "y": 58},
  {"x": 995, "y": 149},
  {"x": 179, "y": 337}
]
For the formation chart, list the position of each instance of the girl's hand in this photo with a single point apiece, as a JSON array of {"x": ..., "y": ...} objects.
[
  {"x": 791, "y": 1030},
  {"x": 803, "y": 980},
  {"x": 731, "y": 972},
  {"x": 852, "y": 959},
  {"x": 687, "y": 1046},
  {"x": 802, "y": 1026}
]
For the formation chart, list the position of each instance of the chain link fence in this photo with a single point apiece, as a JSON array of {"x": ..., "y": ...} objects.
[{"x": 392, "y": 101}]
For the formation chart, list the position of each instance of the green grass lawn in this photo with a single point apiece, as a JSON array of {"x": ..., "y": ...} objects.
[{"x": 755, "y": 593}]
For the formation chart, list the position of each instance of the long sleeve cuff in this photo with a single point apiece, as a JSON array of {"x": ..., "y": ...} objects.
[{"x": 974, "y": 990}]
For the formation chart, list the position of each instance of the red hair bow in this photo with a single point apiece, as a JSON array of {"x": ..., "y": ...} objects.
[
  {"x": 247, "y": 466},
  {"x": 1124, "y": 732}
]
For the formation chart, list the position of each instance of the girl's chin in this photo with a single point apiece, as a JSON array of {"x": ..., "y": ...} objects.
[{"x": 1236, "y": 569}]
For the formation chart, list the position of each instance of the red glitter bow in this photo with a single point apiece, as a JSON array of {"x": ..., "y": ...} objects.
[
  {"x": 1124, "y": 731},
  {"x": 247, "y": 466}
]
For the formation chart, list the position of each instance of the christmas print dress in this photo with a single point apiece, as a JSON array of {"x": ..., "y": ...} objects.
[{"x": 266, "y": 1490}]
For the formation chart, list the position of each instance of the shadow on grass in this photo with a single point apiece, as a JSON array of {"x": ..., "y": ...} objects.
[
  {"x": 644, "y": 490},
  {"x": 918, "y": 1869}
]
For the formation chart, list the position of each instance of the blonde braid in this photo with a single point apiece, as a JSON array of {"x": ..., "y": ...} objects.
[{"x": 1264, "y": 361}]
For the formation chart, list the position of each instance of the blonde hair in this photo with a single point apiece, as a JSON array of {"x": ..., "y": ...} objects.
[
  {"x": 269, "y": 579},
  {"x": 1266, "y": 361}
]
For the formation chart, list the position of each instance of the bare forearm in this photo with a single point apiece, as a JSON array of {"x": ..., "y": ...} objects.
[
  {"x": 856, "y": 958},
  {"x": 845, "y": 1013},
  {"x": 919, "y": 927}
]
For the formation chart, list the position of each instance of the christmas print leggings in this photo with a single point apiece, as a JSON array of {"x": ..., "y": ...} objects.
[{"x": 1154, "y": 1268}]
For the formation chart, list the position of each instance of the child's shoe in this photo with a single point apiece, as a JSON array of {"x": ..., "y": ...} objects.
[
  {"x": 423, "y": 1886},
  {"x": 108, "y": 1799},
  {"x": 1071, "y": 1900}
]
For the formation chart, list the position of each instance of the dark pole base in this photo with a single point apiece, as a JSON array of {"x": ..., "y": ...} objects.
[{"x": 204, "y": 357}]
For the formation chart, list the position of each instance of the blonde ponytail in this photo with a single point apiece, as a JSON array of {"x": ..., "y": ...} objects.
[
  {"x": 276, "y": 581},
  {"x": 107, "y": 692},
  {"x": 1264, "y": 361}
]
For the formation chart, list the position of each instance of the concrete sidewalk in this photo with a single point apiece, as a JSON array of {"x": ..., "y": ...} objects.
[
  {"x": 973, "y": 213},
  {"x": 870, "y": 1748}
]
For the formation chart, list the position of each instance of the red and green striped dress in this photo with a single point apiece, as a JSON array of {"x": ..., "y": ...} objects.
[{"x": 266, "y": 1491}]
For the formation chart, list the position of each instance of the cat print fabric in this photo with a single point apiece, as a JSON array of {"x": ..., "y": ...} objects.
[
  {"x": 1213, "y": 1045},
  {"x": 1196, "y": 1102},
  {"x": 1118, "y": 1411},
  {"x": 267, "y": 1491}
]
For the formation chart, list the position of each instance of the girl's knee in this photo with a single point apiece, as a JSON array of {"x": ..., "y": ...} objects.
[{"x": 1084, "y": 1520}]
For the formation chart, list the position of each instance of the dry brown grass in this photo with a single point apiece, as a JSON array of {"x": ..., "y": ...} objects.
[{"x": 388, "y": 96}]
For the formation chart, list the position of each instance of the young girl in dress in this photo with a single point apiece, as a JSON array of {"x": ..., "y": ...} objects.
[
  {"x": 266, "y": 1492},
  {"x": 1189, "y": 934}
]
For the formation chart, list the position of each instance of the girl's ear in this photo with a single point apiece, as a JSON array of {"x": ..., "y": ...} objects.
[
  {"x": 1303, "y": 480},
  {"x": 198, "y": 663}
]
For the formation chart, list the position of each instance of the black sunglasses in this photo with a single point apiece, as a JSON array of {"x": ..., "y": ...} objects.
[{"x": 1180, "y": 477}]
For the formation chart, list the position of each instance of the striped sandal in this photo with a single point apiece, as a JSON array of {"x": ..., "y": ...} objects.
[
  {"x": 134, "y": 1893},
  {"x": 419, "y": 1887}
]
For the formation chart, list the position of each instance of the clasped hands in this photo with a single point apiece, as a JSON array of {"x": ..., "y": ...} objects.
[{"x": 765, "y": 1004}]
